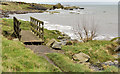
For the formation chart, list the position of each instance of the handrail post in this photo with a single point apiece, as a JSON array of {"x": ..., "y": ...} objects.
[{"x": 17, "y": 29}]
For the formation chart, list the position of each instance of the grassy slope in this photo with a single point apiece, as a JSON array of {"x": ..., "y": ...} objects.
[
  {"x": 12, "y": 6},
  {"x": 18, "y": 58},
  {"x": 95, "y": 49},
  {"x": 66, "y": 64},
  {"x": 25, "y": 25},
  {"x": 15, "y": 57},
  {"x": 47, "y": 5}
]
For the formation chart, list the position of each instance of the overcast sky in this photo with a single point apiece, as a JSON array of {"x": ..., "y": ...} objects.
[{"x": 38, "y": 1}]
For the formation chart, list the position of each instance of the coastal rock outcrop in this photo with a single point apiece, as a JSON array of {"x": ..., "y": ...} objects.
[{"x": 58, "y": 6}]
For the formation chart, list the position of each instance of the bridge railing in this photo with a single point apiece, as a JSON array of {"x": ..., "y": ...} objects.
[
  {"x": 17, "y": 29},
  {"x": 37, "y": 27}
]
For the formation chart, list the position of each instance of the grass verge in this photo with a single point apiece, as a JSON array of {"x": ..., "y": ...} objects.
[
  {"x": 65, "y": 64},
  {"x": 17, "y": 58}
]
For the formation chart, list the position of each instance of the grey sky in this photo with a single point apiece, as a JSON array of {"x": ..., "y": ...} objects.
[{"x": 36, "y": 1}]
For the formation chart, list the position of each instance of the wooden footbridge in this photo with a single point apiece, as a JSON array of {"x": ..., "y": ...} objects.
[{"x": 36, "y": 34}]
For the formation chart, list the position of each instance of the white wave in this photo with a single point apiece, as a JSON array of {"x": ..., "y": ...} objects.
[{"x": 68, "y": 30}]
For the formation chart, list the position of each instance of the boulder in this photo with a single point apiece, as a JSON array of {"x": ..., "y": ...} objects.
[
  {"x": 81, "y": 57},
  {"x": 57, "y": 45},
  {"x": 50, "y": 43}
]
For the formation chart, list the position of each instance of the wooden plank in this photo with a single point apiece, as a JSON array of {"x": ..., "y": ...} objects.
[{"x": 28, "y": 36}]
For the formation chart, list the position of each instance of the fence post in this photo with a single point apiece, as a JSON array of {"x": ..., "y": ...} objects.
[{"x": 17, "y": 29}]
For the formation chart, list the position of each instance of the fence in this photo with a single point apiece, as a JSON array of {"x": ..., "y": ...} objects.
[{"x": 37, "y": 27}]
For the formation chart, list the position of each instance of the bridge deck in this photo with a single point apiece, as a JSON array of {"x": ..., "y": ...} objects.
[{"x": 28, "y": 36}]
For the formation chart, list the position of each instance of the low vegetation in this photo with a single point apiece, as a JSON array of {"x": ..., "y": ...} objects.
[
  {"x": 7, "y": 27},
  {"x": 17, "y": 58},
  {"x": 67, "y": 64},
  {"x": 21, "y": 6},
  {"x": 111, "y": 69},
  {"x": 98, "y": 50}
]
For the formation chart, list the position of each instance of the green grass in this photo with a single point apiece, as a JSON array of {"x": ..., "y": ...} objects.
[
  {"x": 67, "y": 64},
  {"x": 111, "y": 69},
  {"x": 51, "y": 34},
  {"x": 95, "y": 49},
  {"x": 7, "y": 25},
  {"x": 47, "y": 5},
  {"x": 17, "y": 58},
  {"x": 12, "y": 6}
]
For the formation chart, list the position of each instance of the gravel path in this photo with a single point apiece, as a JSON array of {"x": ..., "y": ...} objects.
[{"x": 42, "y": 50}]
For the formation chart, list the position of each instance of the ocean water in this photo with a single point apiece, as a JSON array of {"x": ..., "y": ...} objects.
[{"x": 103, "y": 16}]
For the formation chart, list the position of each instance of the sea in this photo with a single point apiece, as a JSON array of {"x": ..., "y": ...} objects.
[{"x": 101, "y": 16}]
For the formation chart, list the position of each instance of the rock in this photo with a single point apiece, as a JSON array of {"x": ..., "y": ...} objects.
[
  {"x": 81, "y": 8},
  {"x": 116, "y": 62},
  {"x": 57, "y": 45},
  {"x": 16, "y": 39},
  {"x": 63, "y": 42},
  {"x": 109, "y": 63},
  {"x": 64, "y": 37},
  {"x": 87, "y": 63},
  {"x": 69, "y": 43},
  {"x": 50, "y": 43},
  {"x": 58, "y": 6},
  {"x": 64, "y": 34},
  {"x": 117, "y": 49},
  {"x": 81, "y": 57},
  {"x": 60, "y": 37},
  {"x": 115, "y": 56}
]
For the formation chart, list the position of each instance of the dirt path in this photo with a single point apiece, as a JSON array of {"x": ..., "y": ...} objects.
[{"x": 42, "y": 50}]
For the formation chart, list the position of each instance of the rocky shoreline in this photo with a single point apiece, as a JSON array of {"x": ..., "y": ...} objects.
[
  {"x": 5, "y": 14},
  {"x": 32, "y": 8}
]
